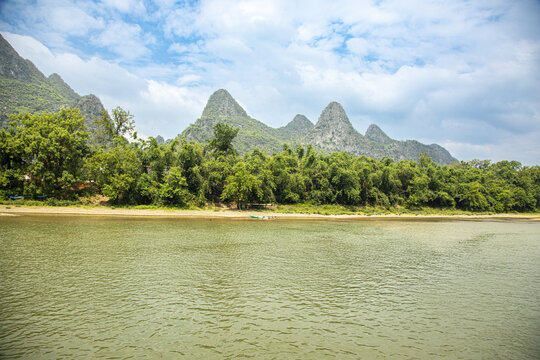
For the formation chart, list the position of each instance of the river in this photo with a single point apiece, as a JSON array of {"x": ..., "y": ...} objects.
[{"x": 131, "y": 287}]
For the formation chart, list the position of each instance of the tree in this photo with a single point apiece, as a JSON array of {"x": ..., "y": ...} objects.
[
  {"x": 154, "y": 159},
  {"x": 215, "y": 173},
  {"x": 258, "y": 165},
  {"x": 189, "y": 158},
  {"x": 120, "y": 124},
  {"x": 242, "y": 187},
  {"x": 11, "y": 162},
  {"x": 50, "y": 149},
  {"x": 174, "y": 190},
  {"x": 116, "y": 172},
  {"x": 472, "y": 197},
  {"x": 224, "y": 135}
]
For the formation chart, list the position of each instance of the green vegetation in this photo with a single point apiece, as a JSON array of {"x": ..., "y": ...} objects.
[
  {"x": 39, "y": 94},
  {"x": 20, "y": 97},
  {"x": 48, "y": 154},
  {"x": 23, "y": 88},
  {"x": 43, "y": 154}
]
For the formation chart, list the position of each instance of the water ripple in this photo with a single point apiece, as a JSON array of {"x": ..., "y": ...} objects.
[{"x": 92, "y": 287}]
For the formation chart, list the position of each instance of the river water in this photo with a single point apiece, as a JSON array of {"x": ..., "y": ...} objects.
[{"x": 96, "y": 287}]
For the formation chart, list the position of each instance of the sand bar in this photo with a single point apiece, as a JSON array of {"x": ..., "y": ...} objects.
[{"x": 6, "y": 210}]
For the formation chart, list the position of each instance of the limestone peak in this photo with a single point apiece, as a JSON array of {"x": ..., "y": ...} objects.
[
  {"x": 334, "y": 117},
  {"x": 376, "y": 134},
  {"x": 221, "y": 103}
]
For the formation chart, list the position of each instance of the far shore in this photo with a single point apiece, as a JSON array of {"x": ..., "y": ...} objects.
[{"x": 7, "y": 210}]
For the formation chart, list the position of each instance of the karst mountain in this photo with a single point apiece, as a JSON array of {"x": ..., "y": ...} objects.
[
  {"x": 332, "y": 132},
  {"x": 23, "y": 88}
]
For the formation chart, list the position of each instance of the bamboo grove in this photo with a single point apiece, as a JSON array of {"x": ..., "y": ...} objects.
[{"x": 53, "y": 154}]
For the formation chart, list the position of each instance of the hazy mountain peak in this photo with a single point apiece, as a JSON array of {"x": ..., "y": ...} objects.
[
  {"x": 376, "y": 134},
  {"x": 334, "y": 116},
  {"x": 222, "y": 107},
  {"x": 91, "y": 108},
  {"x": 56, "y": 78},
  {"x": 300, "y": 121},
  {"x": 334, "y": 131},
  {"x": 221, "y": 103},
  {"x": 296, "y": 128},
  {"x": 12, "y": 66},
  {"x": 59, "y": 83}
]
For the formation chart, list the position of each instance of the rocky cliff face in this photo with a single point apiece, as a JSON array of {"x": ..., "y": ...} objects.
[
  {"x": 334, "y": 132},
  {"x": 221, "y": 105},
  {"x": 12, "y": 66},
  {"x": 23, "y": 88},
  {"x": 62, "y": 88},
  {"x": 91, "y": 108},
  {"x": 296, "y": 129},
  {"x": 375, "y": 133}
]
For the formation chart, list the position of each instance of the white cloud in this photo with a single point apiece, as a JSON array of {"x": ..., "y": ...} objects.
[
  {"x": 29, "y": 48},
  {"x": 126, "y": 6},
  {"x": 359, "y": 46},
  {"x": 166, "y": 95},
  {"x": 172, "y": 107},
  {"x": 72, "y": 20},
  {"x": 465, "y": 74},
  {"x": 52, "y": 21},
  {"x": 510, "y": 148},
  {"x": 128, "y": 41}
]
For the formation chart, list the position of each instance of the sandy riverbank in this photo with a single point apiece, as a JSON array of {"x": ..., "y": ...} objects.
[{"x": 6, "y": 210}]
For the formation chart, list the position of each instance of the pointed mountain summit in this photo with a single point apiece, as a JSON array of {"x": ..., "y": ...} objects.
[
  {"x": 334, "y": 117},
  {"x": 375, "y": 133},
  {"x": 23, "y": 88},
  {"x": 334, "y": 131},
  {"x": 297, "y": 128},
  {"x": 222, "y": 107},
  {"x": 221, "y": 103},
  {"x": 63, "y": 88},
  {"x": 299, "y": 122},
  {"x": 14, "y": 67}
]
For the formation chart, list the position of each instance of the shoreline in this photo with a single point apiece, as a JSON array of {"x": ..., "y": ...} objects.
[{"x": 7, "y": 210}]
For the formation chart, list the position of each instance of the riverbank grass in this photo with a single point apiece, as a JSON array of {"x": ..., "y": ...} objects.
[
  {"x": 370, "y": 210},
  {"x": 301, "y": 208}
]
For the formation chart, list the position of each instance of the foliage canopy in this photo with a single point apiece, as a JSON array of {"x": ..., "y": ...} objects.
[{"x": 49, "y": 154}]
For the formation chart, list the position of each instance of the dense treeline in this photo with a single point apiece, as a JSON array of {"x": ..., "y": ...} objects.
[{"x": 50, "y": 154}]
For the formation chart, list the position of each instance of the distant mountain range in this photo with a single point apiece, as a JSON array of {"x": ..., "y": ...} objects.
[
  {"x": 23, "y": 88},
  {"x": 221, "y": 107},
  {"x": 332, "y": 132}
]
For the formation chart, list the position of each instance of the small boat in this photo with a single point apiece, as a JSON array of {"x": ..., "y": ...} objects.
[
  {"x": 262, "y": 217},
  {"x": 28, "y": 197}
]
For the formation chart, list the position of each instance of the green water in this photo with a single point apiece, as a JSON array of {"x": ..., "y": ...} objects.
[{"x": 94, "y": 287}]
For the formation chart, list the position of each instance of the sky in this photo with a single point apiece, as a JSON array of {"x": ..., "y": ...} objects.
[{"x": 463, "y": 74}]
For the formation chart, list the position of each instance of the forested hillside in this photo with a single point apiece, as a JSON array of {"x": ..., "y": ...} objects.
[
  {"x": 48, "y": 154},
  {"x": 23, "y": 88}
]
